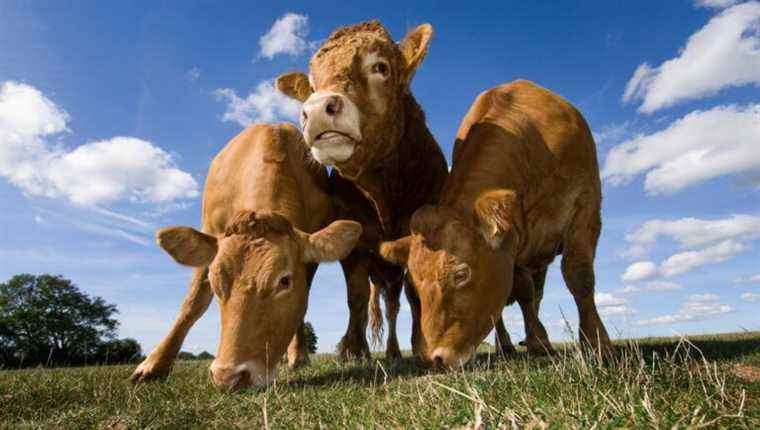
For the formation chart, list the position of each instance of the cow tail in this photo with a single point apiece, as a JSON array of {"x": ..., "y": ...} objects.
[{"x": 375, "y": 314}]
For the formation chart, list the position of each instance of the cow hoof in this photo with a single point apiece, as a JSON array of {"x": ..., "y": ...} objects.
[
  {"x": 506, "y": 351},
  {"x": 352, "y": 352},
  {"x": 539, "y": 348},
  {"x": 150, "y": 370},
  {"x": 393, "y": 355}
]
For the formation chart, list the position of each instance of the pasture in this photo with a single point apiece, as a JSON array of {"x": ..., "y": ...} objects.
[{"x": 702, "y": 382}]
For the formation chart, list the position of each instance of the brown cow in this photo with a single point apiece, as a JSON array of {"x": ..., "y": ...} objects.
[
  {"x": 524, "y": 188},
  {"x": 264, "y": 204},
  {"x": 360, "y": 116}
]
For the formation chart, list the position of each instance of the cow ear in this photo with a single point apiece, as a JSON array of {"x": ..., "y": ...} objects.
[
  {"x": 294, "y": 85},
  {"x": 333, "y": 242},
  {"x": 414, "y": 48},
  {"x": 497, "y": 215},
  {"x": 188, "y": 246},
  {"x": 396, "y": 252}
]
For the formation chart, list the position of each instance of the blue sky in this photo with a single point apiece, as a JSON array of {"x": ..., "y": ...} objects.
[{"x": 110, "y": 115}]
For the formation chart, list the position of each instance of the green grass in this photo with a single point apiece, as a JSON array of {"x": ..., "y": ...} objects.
[{"x": 652, "y": 383}]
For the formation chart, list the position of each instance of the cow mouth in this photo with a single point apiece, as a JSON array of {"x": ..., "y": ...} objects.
[
  {"x": 333, "y": 135},
  {"x": 332, "y": 146}
]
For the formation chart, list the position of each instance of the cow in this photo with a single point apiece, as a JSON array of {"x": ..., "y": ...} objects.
[
  {"x": 359, "y": 116},
  {"x": 524, "y": 188},
  {"x": 265, "y": 228}
]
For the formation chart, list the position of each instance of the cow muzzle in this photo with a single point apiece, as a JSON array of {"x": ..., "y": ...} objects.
[
  {"x": 442, "y": 358},
  {"x": 331, "y": 126},
  {"x": 230, "y": 378}
]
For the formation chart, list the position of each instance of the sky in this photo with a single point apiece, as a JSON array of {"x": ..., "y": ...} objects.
[{"x": 111, "y": 113}]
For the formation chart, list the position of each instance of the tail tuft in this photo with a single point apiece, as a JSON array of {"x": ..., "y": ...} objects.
[{"x": 375, "y": 315}]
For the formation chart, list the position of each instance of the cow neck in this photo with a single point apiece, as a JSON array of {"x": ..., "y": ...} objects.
[
  {"x": 483, "y": 164},
  {"x": 411, "y": 175}
]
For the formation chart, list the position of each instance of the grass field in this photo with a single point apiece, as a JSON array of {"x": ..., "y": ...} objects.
[{"x": 707, "y": 381}]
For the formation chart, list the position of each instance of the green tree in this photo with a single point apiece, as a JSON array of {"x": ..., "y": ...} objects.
[
  {"x": 46, "y": 320},
  {"x": 205, "y": 355},
  {"x": 185, "y": 355},
  {"x": 311, "y": 337}
]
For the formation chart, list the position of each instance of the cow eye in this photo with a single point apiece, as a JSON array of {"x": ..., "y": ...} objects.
[
  {"x": 461, "y": 277},
  {"x": 380, "y": 68},
  {"x": 286, "y": 281}
]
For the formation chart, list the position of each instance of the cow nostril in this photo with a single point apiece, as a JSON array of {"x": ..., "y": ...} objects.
[
  {"x": 438, "y": 361},
  {"x": 334, "y": 106},
  {"x": 304, "y": 117}
]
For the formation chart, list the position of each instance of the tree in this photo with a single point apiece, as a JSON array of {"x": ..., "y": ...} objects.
[
  {"x": 119, "y": 351},
  {"x": 311, "y": 337},
  {"x": 185, "y": 355},
  {"x": 47, "y": 320},
  {"x": 205, "y": 355}
]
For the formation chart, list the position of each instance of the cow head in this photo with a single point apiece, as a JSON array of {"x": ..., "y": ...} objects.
[
  {"x": 257, "y": 270},
  {"x": 461, "y": 265},
  {"x": 355, "y": 96}
]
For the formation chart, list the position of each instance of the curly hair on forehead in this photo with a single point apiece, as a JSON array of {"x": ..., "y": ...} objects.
[
  {"x": 251, "y": 223},
  {"x": 373, "y": 26}
]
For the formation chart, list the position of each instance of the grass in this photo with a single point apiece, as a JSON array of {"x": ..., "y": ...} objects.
[{"x": 705, "y": 381}]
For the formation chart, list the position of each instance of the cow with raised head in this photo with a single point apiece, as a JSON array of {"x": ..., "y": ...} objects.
[
  {"x": 359, "y": 115},
  {"x": 265, "y": 227},
  {"x": 524, "y": 187}
]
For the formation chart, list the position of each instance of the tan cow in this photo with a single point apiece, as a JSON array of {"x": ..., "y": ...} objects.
[
  {"x": 264, "y": 204},
  {"x": 360, "y": 116},
  {"x": 524, "y": 188}
]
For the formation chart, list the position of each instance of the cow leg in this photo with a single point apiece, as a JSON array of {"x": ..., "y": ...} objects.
[
  {"x": 503, "y": 342},
  {"x": 579, "y": 248},
  {"x": 536, "y": 338},
  {"x": 539, "y": 280},
  {"x": 298, "y": 349},
  {"x": 392, "y": 294},
  {"x": 414, "y": 305},
  {"x": 354, "y": 344},
  {"x": 159, "y": 362}
]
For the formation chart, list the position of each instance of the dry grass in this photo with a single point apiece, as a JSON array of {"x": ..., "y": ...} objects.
[{"x": 653, "y": 383}]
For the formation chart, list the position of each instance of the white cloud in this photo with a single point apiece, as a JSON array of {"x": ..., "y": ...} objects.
[
  {"x": 662, "y": 286},
  {"x": 622, "y": 310},
  {"x": 287, "y": 36},
  {"x": 102, "y": 172},
  {"x": 689, "y": 260},
  {"x": 724, "y": 53},
  {"x": 639, "y": 271},
  {"x": 700, "y": 146},
  {"x": 651, "y": 287},
  {"x": 715, "y": 4},
  {"x": 607, "y": 299},
  {"x": 754, "y": 279},
  {"x": 265, "y": 104},
  {"x": 696, "y": 307},
  {"x": 693, "y": 232},
  {"x": 751, "y": 297}
]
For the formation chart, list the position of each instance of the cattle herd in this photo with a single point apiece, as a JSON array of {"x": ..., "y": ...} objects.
[{"x": 523, "y": 188}]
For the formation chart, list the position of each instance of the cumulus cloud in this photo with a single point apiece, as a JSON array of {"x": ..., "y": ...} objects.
[
  {"x": 715, "y": 4},
  {"x": 700, "y": 146},
  {"x": 687, "y": 261},
  {"x": 287, "y": 36},
  {"x": 707, "y": 241},
  {"x": 611, "y": 305},
  {"x": 696, "y": 307},
  {"x": 608, "y": 299},
  {"x": 639, "y": 271},
  {"x": 652, "y": 286},
  {"x": 751, "y": 297},
  {"x": 95, "y": 173},
  {"x": 754, "y": 279},
  {"x": 724, "y": 53},
  {"x": 264, "y": 104},
  {"x": 693, "y": 232}
]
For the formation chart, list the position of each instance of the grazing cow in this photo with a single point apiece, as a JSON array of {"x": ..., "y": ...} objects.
[
  {"x": 265, "y": 208},
  {"x": 524, "y": 188},
  {"x": 360, "y": 116}
]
